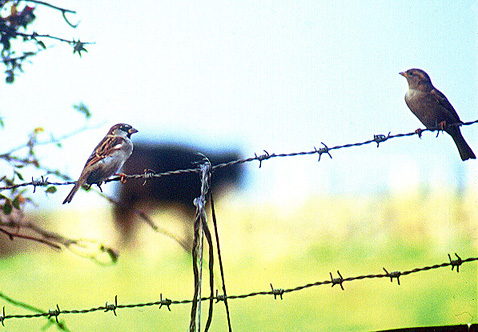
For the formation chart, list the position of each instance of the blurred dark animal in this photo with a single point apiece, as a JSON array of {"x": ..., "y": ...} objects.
[{"x": 174, "y": 191}]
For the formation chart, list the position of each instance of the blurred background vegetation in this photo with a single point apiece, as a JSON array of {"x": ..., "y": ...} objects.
[{"x": 263, "y": 245}]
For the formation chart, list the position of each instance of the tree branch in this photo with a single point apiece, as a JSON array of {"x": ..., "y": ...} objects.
[
  {"x": 63, "y": 11},
  {"x": 22, "y": 236}
]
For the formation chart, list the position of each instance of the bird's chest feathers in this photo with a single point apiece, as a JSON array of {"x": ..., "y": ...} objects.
[
  {"x": 412, "y": 95},
  {"x": 419, "y": 101},
  {"x": 424, "y": 106}
]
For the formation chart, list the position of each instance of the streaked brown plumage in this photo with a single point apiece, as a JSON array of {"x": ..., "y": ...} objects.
[
  {"x": 433, "y": 109},
  {"x": 107, "y": 158}
]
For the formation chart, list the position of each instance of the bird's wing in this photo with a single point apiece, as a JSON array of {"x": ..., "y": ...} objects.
[
  {"x": 105, "y": 148},
  {"x": 443, "y": 101}
]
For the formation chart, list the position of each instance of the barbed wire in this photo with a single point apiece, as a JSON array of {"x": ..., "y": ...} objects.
[
  {"x": 276, "y": 292},
  {"x": 149, "y": 174},
  {"x": 53, "y": 314}
]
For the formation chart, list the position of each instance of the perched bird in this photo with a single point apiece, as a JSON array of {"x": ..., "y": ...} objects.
[
  {"x": 107, "y": 158},
  {"x": 432, "y": 108}
]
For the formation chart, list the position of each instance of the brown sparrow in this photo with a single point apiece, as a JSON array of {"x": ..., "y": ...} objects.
[
  {"x": 432, "y": 108},
  {"x": 107, "y": 158}
]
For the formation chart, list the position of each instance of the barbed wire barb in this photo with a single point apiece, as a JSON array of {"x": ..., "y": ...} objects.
[
  {"x": 455, "y": 262},
  {"x": 54, "y": 313},
  {"x": 112, "y": 306},
  {"x": 337, "y": 281},
  {"x": 164, "y": 302},
  {"x": 148, "y": 174},
  {"x": 220, "y": 297},
  {"x": 39, "y": 183},
  {"x": 277, "y": 292},
  {"x": 394, "y": 274},
  {"x": 381, "y": 138},
  {"x": 323, "y": 150},
  {"x": 262, "y": 157}
]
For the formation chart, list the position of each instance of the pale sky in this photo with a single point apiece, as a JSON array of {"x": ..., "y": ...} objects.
[{"x": 281, "y": 76}]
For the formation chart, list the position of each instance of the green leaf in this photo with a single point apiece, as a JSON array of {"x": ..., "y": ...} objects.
[
  {"x": 20, "y": 176},
  {"x": 7, "y": 208},
  {"x": 10, "y": 78},
  {"x": 16, "y": 202},
  {"x": 113, "y": 255},
  {"x": 42, "y": 44},
  {"x": 51, "y": 190},
  {"x": 82, "y": 108}
]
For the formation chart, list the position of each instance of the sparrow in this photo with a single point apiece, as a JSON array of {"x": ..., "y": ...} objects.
[
  {"x": 107, "y": 158},
  {"x": 433, "y": 109}
]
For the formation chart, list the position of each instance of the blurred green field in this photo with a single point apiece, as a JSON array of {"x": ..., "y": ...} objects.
[{"x": 264, "y": 244}]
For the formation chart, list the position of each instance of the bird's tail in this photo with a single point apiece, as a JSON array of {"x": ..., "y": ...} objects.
[
  {"x": 72, "y": 192},
  {"x": 465, "y": 151}
]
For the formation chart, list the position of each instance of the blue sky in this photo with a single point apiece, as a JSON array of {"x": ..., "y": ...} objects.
[{"x": 276, "y": 75}]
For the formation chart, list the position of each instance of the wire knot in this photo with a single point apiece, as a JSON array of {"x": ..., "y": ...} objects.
[
  {"x": 166, "y": 302},
  {"x": 39, "y": 183},
  {"x": 220, "y": 297},
  {"x": 320, "y": 151},
  {"x": 53, "y": 313},
  {"x": 455, "y": 262},
  {"x": 277, "y": 292},
  {"x": 199, "y": 203},
  {"x": 337, "y": 281},
  {"x": 262, "y": 157},
  {"x": 394, "y": 274},
  {"x": 148, "y": 174},
  {"x": 380, "y": 138},
  {"x": 112, "y": 306}
]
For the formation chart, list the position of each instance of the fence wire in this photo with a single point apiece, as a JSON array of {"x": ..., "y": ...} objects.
[{"x": 277, "y": 293}]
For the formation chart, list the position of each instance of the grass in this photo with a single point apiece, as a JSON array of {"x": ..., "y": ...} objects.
[{"x": 263, "y": 245}]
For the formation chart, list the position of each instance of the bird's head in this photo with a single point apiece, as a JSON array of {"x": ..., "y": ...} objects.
[
  {"x": 122, "y": 129},
  {"x": 417, "y": 79}
]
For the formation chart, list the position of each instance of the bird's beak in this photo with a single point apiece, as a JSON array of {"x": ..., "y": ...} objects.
[
  {"x": 404, "y": 74},
  {"x": 132, "y": 131}
]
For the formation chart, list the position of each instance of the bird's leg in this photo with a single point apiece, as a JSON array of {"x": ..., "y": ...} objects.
[
  {"x": 123, "y": 177},
  {"x": 441, "y": 127}
]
